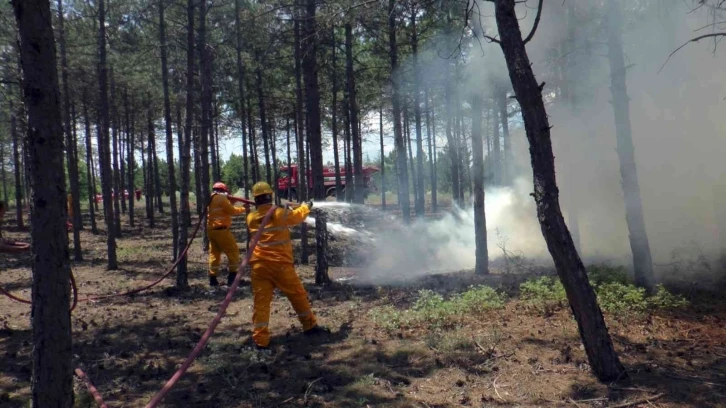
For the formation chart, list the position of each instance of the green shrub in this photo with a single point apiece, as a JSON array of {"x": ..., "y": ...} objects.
[
  {"x": 479, "y": 299},
  {"x": 616, "y": 297},
  {"x": 432, "y": 308},
  {"x": 599, "y": 274},
  {"x": 662, "y": 299}
]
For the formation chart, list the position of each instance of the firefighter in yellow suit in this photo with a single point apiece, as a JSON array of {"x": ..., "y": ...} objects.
[
  {"x": 221, "y": 239},
  {"x": 272, "y": 265}
]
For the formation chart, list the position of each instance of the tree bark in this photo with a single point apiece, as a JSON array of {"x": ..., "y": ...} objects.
[
  {"x": 593, "y": 331},
  {"x": 213, "y": 145},
  {"x": 4, "y": 175},
  {"x": 321, "y": 244},
  {"x": 453, "y": 146},
  {"x": 302, "y": 180},
  {"x": 263, "y": 118},
  {"x": 16, "y": 171},
  {"x": 507, "y": 166},
  {"x": 52, "y": 379},
  {"x": 383, "y": 160},
  {"x": 639, "y": 245},
  {"x": 131, "y": 160},
  {"x": 241, "y": 90},
  {"x": 206, "y": 78},
  {"x": 359, "y": 184},
  {"x": 103, "y": 140},
  {"x": 420, "y": 202},
  {"x": 431, "y": 136},
  {"x": 339, "y": 196},
  {"x": 72, "y": 161},
  {"x": 349, "y": 189},
  {"x": 480, "y": 220},
  {"x": 169, "y": 133},
  {"x": 156, "y": 174},
  {"x": 312, "y": 96},
  {"x": 150, "y": 193},
  {"x": 114, "y": 160},
  {"x": 404, "y": 199},
  {"x": 182, "y": 282},
  {"x": 409, "y": 145},
  {"x": 496, "y": 148},
  {"x": 89, "y": 164}
]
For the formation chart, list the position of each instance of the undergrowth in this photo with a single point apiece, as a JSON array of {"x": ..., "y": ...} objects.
[
  {"x": 615, "y": 292},
  {"x": 433, "y": 309}
]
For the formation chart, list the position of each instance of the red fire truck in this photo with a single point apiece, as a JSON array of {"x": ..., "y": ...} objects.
[{"x": 288, "y": 179}]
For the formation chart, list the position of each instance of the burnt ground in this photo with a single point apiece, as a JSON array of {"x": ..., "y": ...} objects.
[{"x": 515, "y": 356}]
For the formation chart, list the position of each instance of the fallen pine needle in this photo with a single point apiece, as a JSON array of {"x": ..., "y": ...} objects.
[{"x": 638, "y": 401}]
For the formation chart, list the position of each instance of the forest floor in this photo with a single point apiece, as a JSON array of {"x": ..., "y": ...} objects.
[{"x": 514, "y": 355}]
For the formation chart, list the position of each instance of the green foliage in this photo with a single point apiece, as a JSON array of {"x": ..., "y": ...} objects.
[
  {"x": 544, "y": 293},
  {"x": 433, "y": 309},
  {"x": 662, "y": 299},
  {"x": 618, "y": 298},
  {"x": 615, "y": 293},
  {"x": 603, "y": 273}
]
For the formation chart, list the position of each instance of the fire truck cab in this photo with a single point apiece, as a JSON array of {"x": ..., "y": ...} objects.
[{"x": 288, "y": 181}]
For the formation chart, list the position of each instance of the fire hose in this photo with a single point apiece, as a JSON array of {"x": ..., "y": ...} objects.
[{"x": 205, "y": 337}]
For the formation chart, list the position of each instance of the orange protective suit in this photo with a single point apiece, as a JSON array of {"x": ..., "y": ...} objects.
[
  {"x": 221, "y": 239},
  {"x": 272, "y": 267}
]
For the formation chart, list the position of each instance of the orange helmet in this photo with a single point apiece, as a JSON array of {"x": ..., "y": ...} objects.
[{"x": 220, "y": 186}]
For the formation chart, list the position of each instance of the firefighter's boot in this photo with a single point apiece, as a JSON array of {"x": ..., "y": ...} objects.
[
  {"x": 213, "y": 281},
  {"x": 230, "y": 278}
]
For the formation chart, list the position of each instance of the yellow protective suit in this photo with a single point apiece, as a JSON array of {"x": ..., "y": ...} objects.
[
  {"x": 221, "y": 239},
  {"x": 272, "y": 267}
]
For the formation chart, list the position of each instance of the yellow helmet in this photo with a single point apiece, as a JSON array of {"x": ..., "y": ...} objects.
[{"x": 261, "y": 188}]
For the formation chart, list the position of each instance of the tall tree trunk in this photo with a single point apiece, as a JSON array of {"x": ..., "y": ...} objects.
[
  {"x": 453, "y": 146},
  {"x": 157, "y": 176},
  {"x": 598, "y": 346},
  {"x": 404, "y": 199},
  {"x": 312, "y": 103},
  {"x": 359, "y": 183},
  {"x": 420, "y": 201},
  {"x": 89, "y": 164},
  {"x": 114, "y": 157},
  {"x": 289, "y": 157},
  {"x": 255, "y": 163},
  {"x": 72, "y": 161},
  {"x": 383, "y": 160},
  {"x": 52, "y": 380},
  {"x": 480, "y": 220},
  {"x": 407, "y": 133},
  {"x": 507, "y": 167},
  {"x": 241, "y": 90},
  {"x": 431, "y": 137},
  {"x": 302, "y": 180},
  {"x": 213, "y": 143},
  {"x": 16, "y": 171},
  {"x": 130, "y": 159},
  {"x": 273, "y": 149},
  {"x": 123, "y": 146},
  {"x": 496, "y": 148},
  {"x": 150, "y": 188},
  {"x": 103, "y": 140},
  {"x": 339, "y": 196},
  {"x": 639, "y": 245},
  {"x": 263, "y": 118},
  {"x": 198, "y": 171},
  {"x": 349, "y": 188},
  {"x": 169, "y": 133},
  {"x": 4, "y": 175},
  {"x": 185, "y": 155},
  {"x": 206, "y": 79}
]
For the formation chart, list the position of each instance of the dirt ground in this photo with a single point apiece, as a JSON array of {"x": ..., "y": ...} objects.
[{"x": 513, "y": 356}]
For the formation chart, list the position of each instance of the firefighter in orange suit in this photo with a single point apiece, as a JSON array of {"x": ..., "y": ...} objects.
[
  {"x": 221, "y": 239},
  {"x": 272, "y": 265}
]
